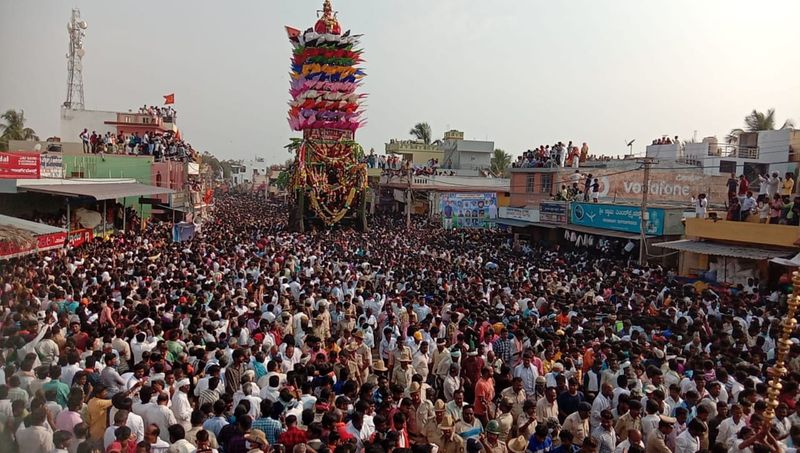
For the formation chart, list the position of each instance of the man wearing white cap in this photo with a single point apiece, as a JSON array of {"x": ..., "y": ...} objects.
[{"x": 180, "y": 404}]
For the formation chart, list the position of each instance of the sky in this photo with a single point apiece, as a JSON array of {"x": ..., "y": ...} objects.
[{"x": 518, "y": 72}]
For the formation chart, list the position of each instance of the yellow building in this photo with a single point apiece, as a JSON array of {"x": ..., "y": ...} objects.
[
  {"x": 735, "y": 251},
  {"x": 414, "y": 150}
]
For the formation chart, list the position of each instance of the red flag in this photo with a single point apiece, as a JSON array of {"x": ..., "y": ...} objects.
[
  {"x": 169, "y": 99},
  {"x": 292, "y": 32}
]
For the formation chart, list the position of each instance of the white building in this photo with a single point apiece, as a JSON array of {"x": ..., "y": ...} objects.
[
  {"x": 754, "y": 153},
  {"x": 463, "y": 154}
]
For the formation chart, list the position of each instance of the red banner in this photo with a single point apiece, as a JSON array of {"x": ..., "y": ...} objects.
[
  {"x": 20, "y": 166},
  {"x": 43, "y": 242},
  {"x": 80, "y": 237}
]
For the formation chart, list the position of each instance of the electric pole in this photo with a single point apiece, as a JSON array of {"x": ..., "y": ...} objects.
[
  {"x": 647, "y": 162},
  {"x": 409, "y": 198}
]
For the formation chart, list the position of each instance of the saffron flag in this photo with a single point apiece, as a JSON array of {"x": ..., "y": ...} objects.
[
  {"x": 169, "y": 99},
  {"x": 292, "y": 32}
]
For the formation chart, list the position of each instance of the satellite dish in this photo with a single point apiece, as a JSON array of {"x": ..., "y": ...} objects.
[
  {"x": 83, "y": 24},
  {"x": 38, "y": 147},
  {"x": 69, "y": 26},
  {"x": 81, "y": 52}
]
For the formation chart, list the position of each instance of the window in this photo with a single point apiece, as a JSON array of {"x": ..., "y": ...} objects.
[
  {"x": 547, "y": 182},
  {"x": 530, "y": 183},
  {"x": 727, "y": 166}
]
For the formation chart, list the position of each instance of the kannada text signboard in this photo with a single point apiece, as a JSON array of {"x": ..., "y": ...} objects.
[
  {"x": 616, "y": 217},
  {"x": 553, "y": 212}
]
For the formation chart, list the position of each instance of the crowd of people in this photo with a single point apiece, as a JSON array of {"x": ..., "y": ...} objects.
[
  {"x": 558, "y": 155},
  {"x": 775, "y": 201},
  {"x": 665, "y": 140},
  {"x": 161, "y": 145},
  {"x": 249, "y": 338},
  {"x": 166, "y": 113}
]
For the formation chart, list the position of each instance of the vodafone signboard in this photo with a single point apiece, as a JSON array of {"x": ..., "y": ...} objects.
[{"x": 20, "y": 166}]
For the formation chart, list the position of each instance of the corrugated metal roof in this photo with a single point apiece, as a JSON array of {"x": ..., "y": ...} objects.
[
  {"x": 34, "y": 227},
  {"x": 98, "y": 191},
  {"x": 601, "y": 231},
  {"x": 734, "y": 251}
]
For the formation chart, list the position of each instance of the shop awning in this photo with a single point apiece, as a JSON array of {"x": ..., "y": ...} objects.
[
  {"x": 41, "y": 237},
  {"x": 512, "y": 222},
  {"x": 733, "y": 251},
  {"x": 34, "y": 227},
  {"x": 602, "y": 232},
  {"x": 98, "y": 191}
]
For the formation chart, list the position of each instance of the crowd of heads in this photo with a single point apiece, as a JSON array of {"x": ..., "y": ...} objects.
[
  {"x": 251, "y": 338},
  {"x": 775, "y": 202},
  {"x": 557, "y": 155},
  {"x": 166, "y": 113}
]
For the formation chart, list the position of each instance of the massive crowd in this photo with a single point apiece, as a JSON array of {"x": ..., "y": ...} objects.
[
  {"x": 162, "y": 146},
  {"x": 251, "y": 339}
]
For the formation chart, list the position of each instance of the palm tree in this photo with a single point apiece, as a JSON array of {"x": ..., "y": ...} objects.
[
  {"x": 14, "y": 128},
  {"x": 422, "y": 131},
  {"x": 500, "y": 162},
  {"x": 758, "y": 121}
]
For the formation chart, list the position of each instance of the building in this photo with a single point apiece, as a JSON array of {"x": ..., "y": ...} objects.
[
  {"x": 753, "y": 154},
  {"x": 732, "y": 252},
  {"x": 452, "y": 152},
  {"x": 415, "y": 151},
  {"x": 463, "y": 154},
  {"x": 619, "y": 181},
  {"x": 73, "y": 122}
]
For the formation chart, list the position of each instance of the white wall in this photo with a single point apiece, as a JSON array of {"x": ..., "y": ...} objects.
[
  {"x": 665, "y": 152},
  {"x": 74, "y": 121},
  {"x": 773, "y": 146}
]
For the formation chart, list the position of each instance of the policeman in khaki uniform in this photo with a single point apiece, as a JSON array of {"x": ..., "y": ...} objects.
[
  {"x": 352, "y": 362},
  {"x": 655, "y": 441},
  {"x": 347, "y": 324},
  {"x": 363, "y": 353},
  {"x": 451, "y": 442},
  {"x": 431, "y": 430}
]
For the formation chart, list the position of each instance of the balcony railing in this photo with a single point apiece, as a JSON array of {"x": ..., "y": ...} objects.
[{"x": 733, "y": 150}]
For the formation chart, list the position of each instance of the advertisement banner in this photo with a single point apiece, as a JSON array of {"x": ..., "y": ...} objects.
[
  {"x": 52, "y": 166},
  {"x": 43, "y": 242},
  {"x": 80, "y": 237},
  {"x": 468, "y": 210},
  {"x": 553, "y": 212},
  {"x": 19, "y": 165},
  {"x": 616, "y": 217},
  {"x": 524, "y": 214}
]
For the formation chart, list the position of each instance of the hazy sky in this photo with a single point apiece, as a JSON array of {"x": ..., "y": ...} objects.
[{"x": 521, "y": 73}]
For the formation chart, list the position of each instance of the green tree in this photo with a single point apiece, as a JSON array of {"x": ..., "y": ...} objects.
[
  {"x": 422, "y": 131},
  {"x": 758, "y": 121},
  {"x": 13, "y": 128},
  {"x": 500, "y": 162}
]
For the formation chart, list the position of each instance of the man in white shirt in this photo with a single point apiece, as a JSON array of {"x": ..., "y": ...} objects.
[
  {"x": 160, "y": 415},
  {"x": 729, "y": 428},
  {"x": 689, "y": 440},
  {"x": 528, "y": 373},
  {"x": 601, "y": 403},
  {"x": 181, "y": 408},
  {"x": 634, "y": 438}
]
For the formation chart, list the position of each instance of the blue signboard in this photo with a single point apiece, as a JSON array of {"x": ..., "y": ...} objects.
[{"x": 616, "y": 217}]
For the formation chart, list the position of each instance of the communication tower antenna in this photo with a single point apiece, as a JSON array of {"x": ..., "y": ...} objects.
[{"x": 76, "y": 28}]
